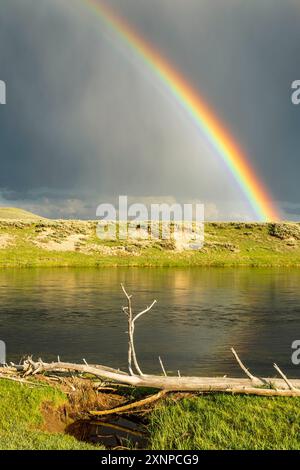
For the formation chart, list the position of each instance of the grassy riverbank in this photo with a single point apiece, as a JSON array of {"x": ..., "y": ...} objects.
[
  {"x": 207, "y": 422},
  {"x": 28, "y": 241},
  {"x": 22, "y": 425},
  {"x": 227, "y": 422}
]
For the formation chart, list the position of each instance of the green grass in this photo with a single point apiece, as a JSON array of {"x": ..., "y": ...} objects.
[
  {"x": 21, "y": 419},
  {"x": 206, "y": 422},
  {"x": 13, "y": 213},
  {"x": 226, "y": 245},
  {"x": 227, "y": 422}
]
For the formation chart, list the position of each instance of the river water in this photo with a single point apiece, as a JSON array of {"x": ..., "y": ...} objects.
[{"x": 199, "y": 315}]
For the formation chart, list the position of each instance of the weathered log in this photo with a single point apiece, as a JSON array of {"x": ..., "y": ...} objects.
[{"x": 278, "y": 386}]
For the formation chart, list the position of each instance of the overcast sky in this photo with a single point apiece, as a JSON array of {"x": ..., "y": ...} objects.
[{"x": 84, "y": 122}]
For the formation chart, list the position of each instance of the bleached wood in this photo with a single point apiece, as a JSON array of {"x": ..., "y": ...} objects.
[
  {"x": 162, "y": 366},
  {"x": 128, "y": 311},
  {"x": 131, "y": 406},
  {"x": 132, "y": 357},
  {"x": 287, "y": 381},
  {"x": 244, "y": 368},
  {"x": 197, "y": 384}
]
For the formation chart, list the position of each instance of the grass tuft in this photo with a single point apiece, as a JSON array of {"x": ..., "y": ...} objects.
[
  {"x": 21, "y": 419},
  {"x": 227, "y": 422}
]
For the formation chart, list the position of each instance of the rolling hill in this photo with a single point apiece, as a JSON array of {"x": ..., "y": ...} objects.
[{"x": 13, "y": 213}]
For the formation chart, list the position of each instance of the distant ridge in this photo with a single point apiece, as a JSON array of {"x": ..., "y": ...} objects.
[
  {"x": 13, "y": 213},
  {"x": 27, "y": 240}
]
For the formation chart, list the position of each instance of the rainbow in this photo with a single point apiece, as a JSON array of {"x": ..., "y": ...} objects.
[{"x": 198, "y": 110}]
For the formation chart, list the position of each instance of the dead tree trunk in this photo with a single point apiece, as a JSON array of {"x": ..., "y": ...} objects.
[{"x": 131, "y": 326}]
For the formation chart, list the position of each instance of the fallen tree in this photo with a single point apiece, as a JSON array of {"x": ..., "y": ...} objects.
[
  {"x": 261, "y": 386},
  {"x": 135, "y": 377}
]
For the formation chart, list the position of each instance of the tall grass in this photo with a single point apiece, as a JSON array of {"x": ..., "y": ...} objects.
[
  {"x": 227, "y": 422},
  {"x": 21, "y": 420}
]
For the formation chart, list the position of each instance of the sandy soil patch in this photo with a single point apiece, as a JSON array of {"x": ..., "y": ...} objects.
[
  {"x": 49, "y": 241},
  {"x": 70, "y": 243},
  {"x": 110, "y": 250},
  {"x": 6, "y": 240}
]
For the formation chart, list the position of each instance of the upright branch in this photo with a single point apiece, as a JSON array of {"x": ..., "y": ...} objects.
[
  {"x": 162, "y": 366},
  {"x": 128, "y": 311},
  {"x": 244, "y": 368},
  {"x": 287, "y": 381},
  {"x": 131, "y": 327}
]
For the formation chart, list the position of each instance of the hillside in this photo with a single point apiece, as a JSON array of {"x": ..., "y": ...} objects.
[
  {"x": 28, "y": 242},
  {"x": 12, "y": 213}
]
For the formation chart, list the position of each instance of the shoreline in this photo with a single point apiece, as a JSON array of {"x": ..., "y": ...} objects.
[{"x": 74, "y": 244}]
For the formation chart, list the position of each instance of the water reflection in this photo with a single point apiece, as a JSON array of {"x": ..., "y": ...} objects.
[{"x": 200, "y": 314}]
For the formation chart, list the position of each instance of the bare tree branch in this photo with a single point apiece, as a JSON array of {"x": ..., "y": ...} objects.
[
  {"x": 162, "y": 366},
  {"x": 128, "y": 311},
  {"x": 144, "y": 311},
  {"x": 289, "y": 384},
  {"x": 125, "y": 408},
  {"x": 247, "y": 372},
  {"x": 131, "y": 327}
]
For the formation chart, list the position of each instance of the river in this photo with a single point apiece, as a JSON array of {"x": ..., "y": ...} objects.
[{"x": 199, "y": 315}]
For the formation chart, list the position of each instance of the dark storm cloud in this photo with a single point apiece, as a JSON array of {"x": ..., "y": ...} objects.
[
  {"x": 243, "y": 56},
  {"x": 37, "y": 45},
  {"x": 83, "y": 122}
]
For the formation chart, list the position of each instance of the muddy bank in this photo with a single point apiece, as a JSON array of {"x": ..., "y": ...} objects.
[{"x": 73, "y": 418}]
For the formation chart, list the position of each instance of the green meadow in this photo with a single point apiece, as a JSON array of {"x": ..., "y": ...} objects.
[
  {"x": 22, "y": 424},
  {"x": 196, "y": 423},
  {"x": 227, "y": 422},
  {"x": 29, "y": 241}
]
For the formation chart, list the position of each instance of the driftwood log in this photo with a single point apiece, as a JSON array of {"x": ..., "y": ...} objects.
[
  {"x": 263, "y": 386},
  {"x": 250, "y": 385}
]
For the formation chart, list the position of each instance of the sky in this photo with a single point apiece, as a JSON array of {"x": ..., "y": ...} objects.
[{"x": 85, "y": 122}]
